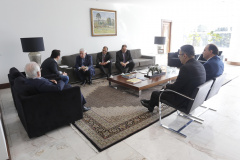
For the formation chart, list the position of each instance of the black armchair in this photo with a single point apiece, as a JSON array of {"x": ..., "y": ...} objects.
[
  {"x": 197, "y": 98},
  {"x": 173, "y": 60},
  {"x": 43, "y": 112}
]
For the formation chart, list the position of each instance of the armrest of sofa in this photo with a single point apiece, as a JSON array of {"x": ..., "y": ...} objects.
[{"x": 46, "y": 111}]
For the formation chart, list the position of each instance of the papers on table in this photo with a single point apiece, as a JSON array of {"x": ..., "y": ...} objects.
[
  {"x": 134, "y": 80},
  {"x": 63, "y": 66}
]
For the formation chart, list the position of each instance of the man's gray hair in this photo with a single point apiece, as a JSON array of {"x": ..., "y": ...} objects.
[
  {"x": 31, "y": 69},
  {"x": 82, "y": 49}
]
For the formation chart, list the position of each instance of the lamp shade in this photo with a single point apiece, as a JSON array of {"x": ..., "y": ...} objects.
[
  {"x": 159, "y": 40},
  {"x": 34, "y": 44}
]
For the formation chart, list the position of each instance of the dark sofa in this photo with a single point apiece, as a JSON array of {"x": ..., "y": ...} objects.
[
  {"x": 43, "y": 112},
  {"x": 140, "y": 61},
  {"x": 173, "y": 60}
]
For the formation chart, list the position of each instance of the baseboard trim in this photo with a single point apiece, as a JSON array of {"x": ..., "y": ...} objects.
[
  {"x": 233, "y": 63},
  {"x": 4, "y": 85}
]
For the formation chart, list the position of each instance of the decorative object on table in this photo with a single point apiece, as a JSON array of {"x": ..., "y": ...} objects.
[
  {"x": 129, "y": 75},
  {"x": 155, "y": 71},
  {"x": 134, "y": 80},
  {"x": 103, "y": 22},
  {"x": 33, "y": 45},
  {"x": 160, "y": 41}
]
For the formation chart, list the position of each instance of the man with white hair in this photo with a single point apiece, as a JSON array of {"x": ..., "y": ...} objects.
[
  {"x": 84, "y": 67},
  {"x": 43, "y": 85}
]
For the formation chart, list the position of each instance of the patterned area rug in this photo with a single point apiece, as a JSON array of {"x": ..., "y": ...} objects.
[{"x": 115, "y": 114}]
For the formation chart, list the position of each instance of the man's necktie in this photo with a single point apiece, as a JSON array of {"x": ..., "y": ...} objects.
[
  {"x": 83, "y": 59},
  {"x": 123, "y": 57},
  {"x": 103, "y": 58}
]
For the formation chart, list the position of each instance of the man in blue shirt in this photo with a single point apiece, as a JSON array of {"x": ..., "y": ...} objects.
[{"x": 214, "y": 66}]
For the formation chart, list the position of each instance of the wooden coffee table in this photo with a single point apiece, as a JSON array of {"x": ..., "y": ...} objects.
[{"x": 148, "y": 83}]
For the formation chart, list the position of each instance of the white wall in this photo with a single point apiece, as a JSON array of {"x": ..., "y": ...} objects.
[{"x": 65, "y": 25}]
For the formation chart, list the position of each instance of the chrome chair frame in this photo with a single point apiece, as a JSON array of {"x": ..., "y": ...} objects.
[{"x": 188, "y": 116}]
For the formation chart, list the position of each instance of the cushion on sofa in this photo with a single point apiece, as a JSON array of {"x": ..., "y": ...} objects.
[
  {"x": 69, "y": 60},
  {"x": 94, "y": 57},
  {"x": 113, "y": 55},
  {"x": 135, "y": 53}
]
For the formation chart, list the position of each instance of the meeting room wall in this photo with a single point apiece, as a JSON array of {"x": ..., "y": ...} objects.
[{"x": 66, "y": 25}]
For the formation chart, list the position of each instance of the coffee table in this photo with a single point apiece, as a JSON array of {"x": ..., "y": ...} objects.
[{"x": 148, "y": 83}]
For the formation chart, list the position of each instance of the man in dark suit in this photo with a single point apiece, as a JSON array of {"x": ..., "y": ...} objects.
[
  {"x": 191, "y": 75},
  {"x": 43, "y": 85},
  {"x": 104, "y": 60},
  {"x": 124, "y": 60},
  {"x": 214, "y": 66},
  {"x": 84, "y": 67},
  {"x": 49, "y": 67}
]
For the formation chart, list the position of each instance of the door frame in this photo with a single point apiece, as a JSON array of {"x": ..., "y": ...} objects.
[{"x": 170, "y": 36}]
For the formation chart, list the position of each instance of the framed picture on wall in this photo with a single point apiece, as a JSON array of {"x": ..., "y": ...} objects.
[{"x": 103, "y": 22}]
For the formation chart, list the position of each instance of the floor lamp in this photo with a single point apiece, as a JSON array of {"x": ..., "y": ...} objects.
[
  {"x": 33, "y": 45},
  {"x": 160, "y": 41}
]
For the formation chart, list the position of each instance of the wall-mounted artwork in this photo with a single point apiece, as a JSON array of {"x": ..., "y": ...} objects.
[{"x": 103, "y": 22}]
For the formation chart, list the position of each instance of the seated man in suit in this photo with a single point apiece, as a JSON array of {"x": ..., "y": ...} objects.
[
  {"x": 43, "y": 85},
  {"x": 49, "y": 67},
  {"x": 84, "y": 67},
  {"x": 214, "y": 66},
  {"x": 191, "y": 75},
  {"x": 104, "y": 60},
  {"x": 124, "y": 60}
]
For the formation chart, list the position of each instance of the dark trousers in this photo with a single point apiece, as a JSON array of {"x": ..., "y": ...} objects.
[
  {"x": 108, "y": 66},
  {"x": 122, "y": 69},
  {"x": 154, "y": 100},
  {"x": 83, "y": 76},
  {"x": 171, "y": 98}
]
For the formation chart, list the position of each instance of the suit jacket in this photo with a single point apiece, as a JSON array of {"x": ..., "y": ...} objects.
[
  {"x": 191, "y": 75},
  {"x": 49, "y": 67},
  {"x": 119, "y": 56},
  {"x": 87, "y": 62},
  {"x": 214, "y": 67},
  {"x": 107, "y": 57},
  {"x": 43, "y": 85}
]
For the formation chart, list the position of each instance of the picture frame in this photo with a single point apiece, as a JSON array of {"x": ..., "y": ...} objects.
[{"x": 103, "y": 22}]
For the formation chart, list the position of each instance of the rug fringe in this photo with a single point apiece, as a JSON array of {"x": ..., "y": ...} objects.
[{"x": 84, "y": 138}]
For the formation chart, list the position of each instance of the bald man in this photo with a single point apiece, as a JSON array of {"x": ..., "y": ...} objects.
[{"x": 214, "y": 66}]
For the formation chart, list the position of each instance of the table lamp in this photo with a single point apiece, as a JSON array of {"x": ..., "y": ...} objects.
[
  {"x": 33, "y": 45},
  {"x": 160, "y": 41}
]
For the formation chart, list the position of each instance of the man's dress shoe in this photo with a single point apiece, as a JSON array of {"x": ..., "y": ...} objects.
[
  {"x": 90, "y": 82},
  {"x": 83, "y": 83},
  {"x": 146, "y": 104},
  {"x": 86, "y": 108}
]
